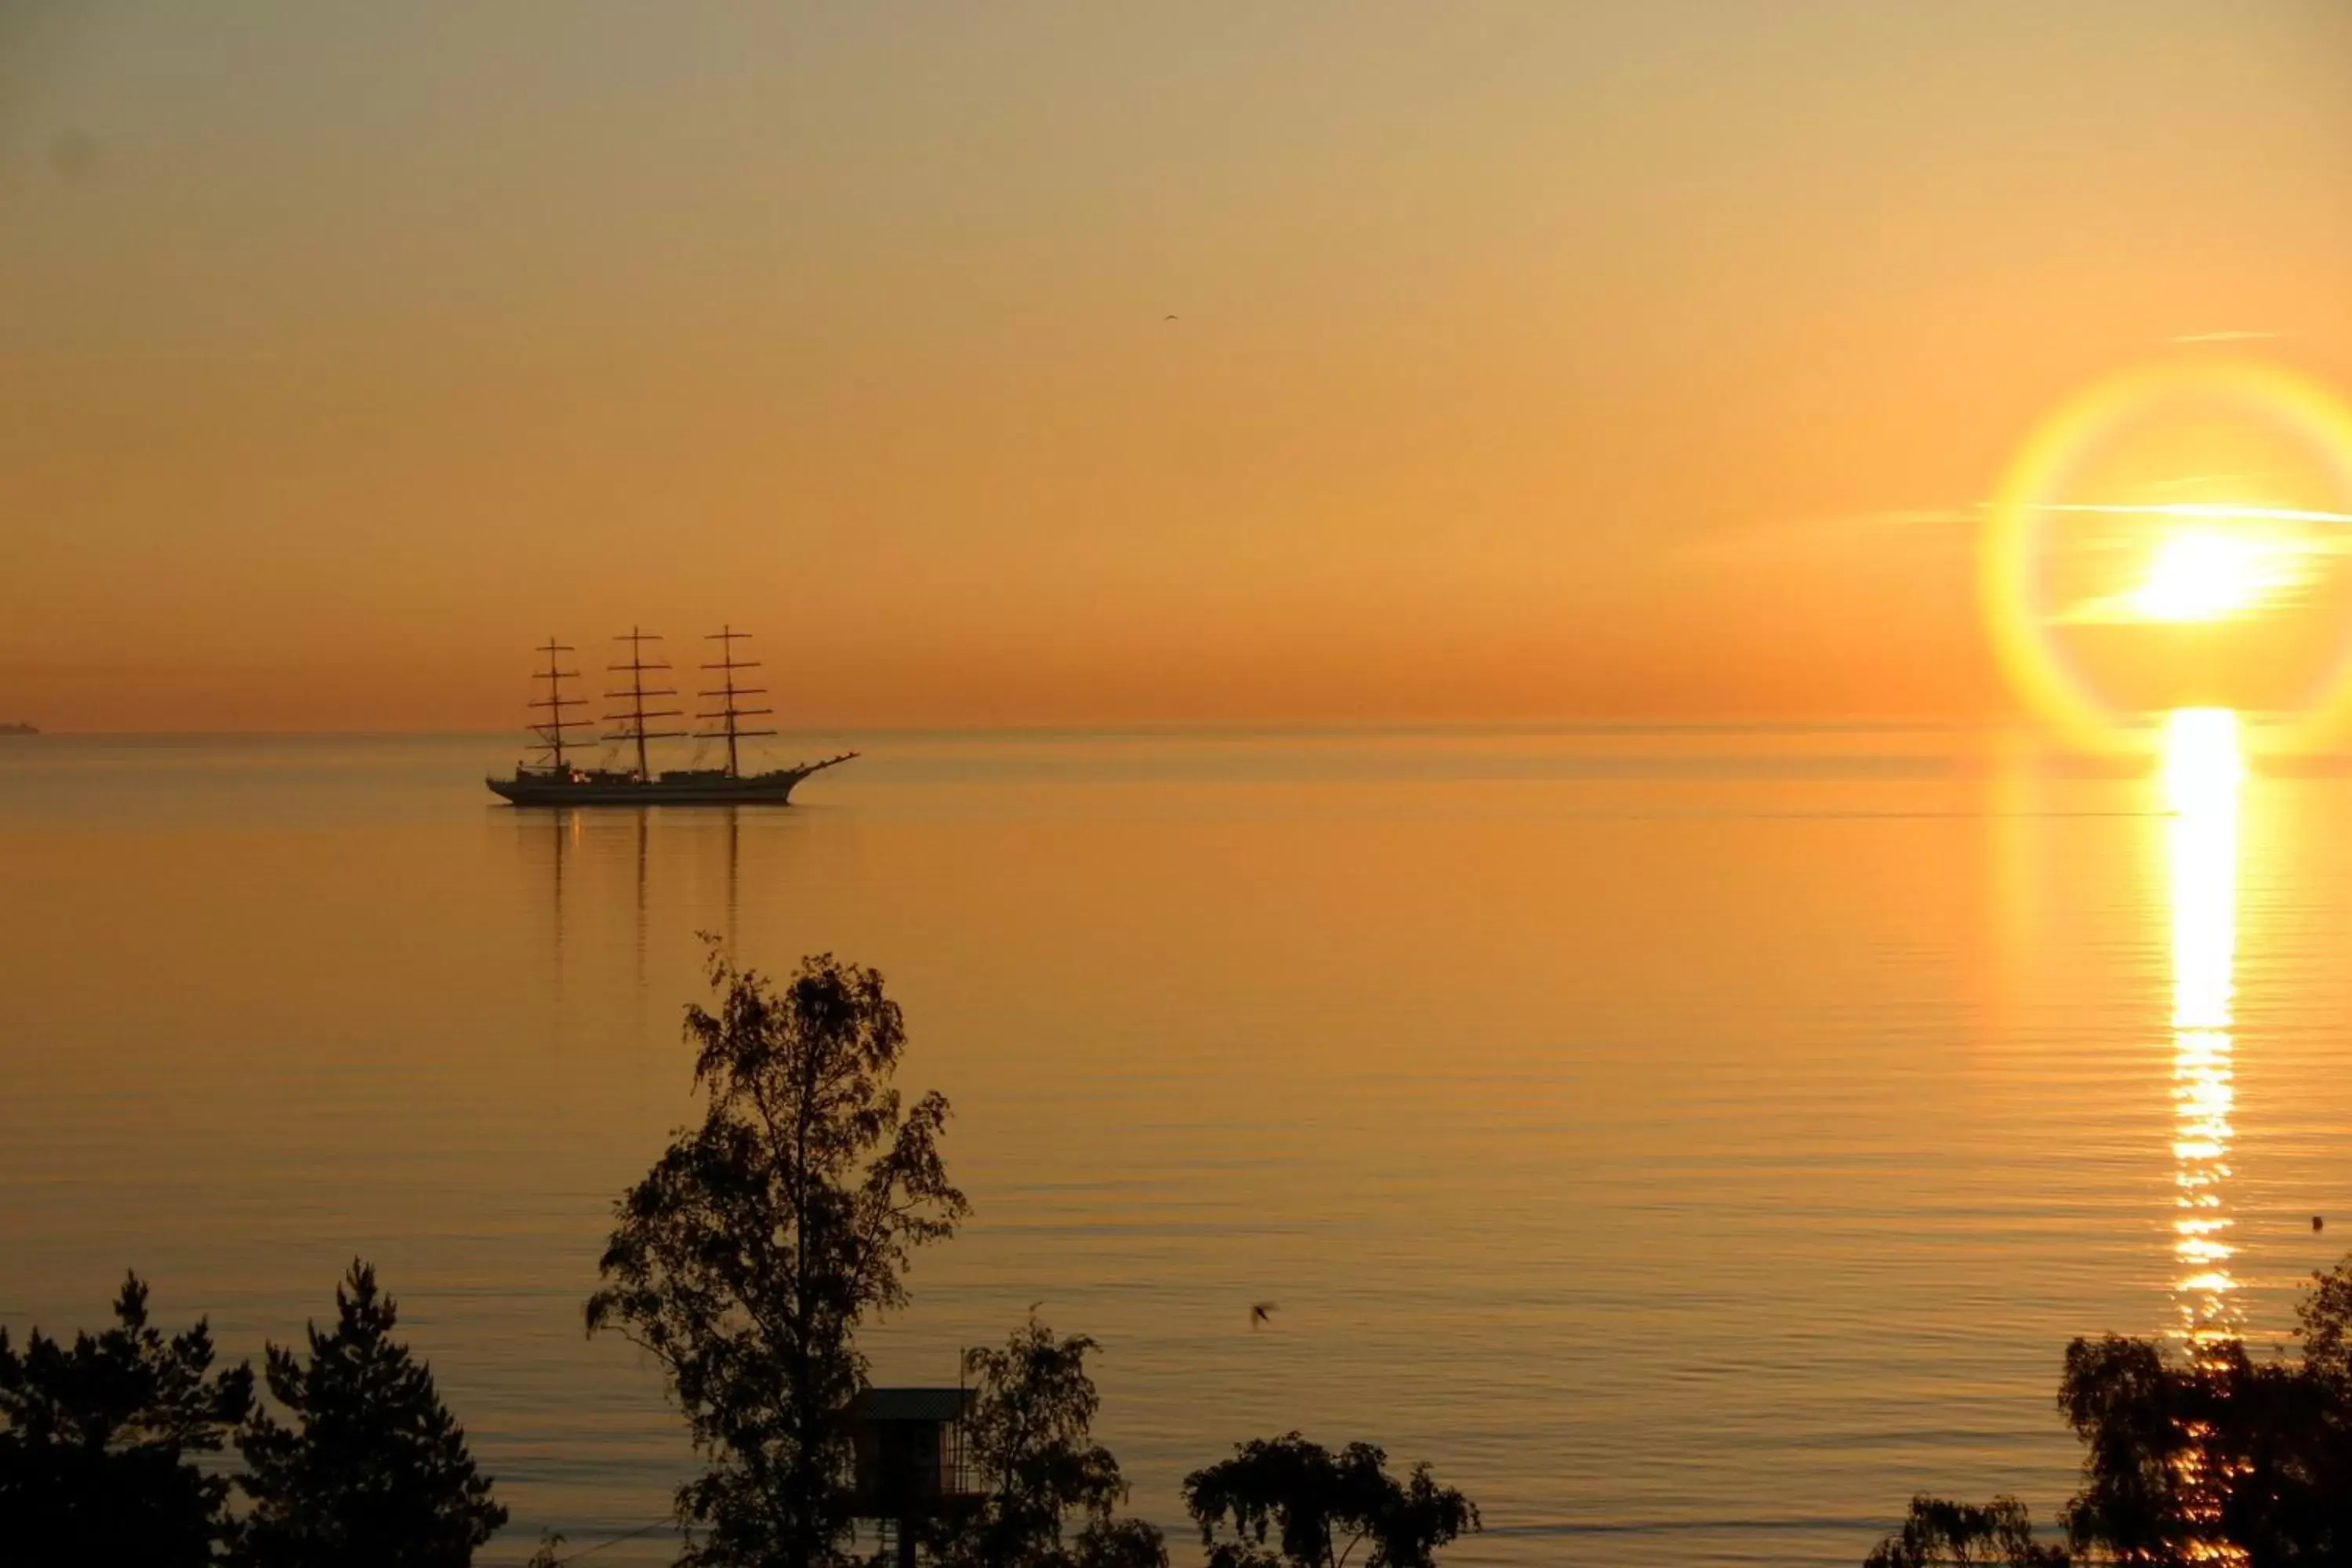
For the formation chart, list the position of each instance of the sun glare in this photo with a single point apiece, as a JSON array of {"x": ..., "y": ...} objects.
[{"x": 2202, "y": 574}]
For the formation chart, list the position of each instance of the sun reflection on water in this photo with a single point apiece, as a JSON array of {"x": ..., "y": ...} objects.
[{"x": 2203, "y": 768}]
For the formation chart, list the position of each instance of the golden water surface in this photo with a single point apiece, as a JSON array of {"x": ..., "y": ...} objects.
[{"x": 1693, "y": 1142}]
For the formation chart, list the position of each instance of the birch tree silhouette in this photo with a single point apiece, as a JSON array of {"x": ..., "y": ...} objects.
[{"x": 749, "y": 1254}]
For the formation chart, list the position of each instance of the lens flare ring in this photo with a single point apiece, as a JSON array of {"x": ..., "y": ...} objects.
[{"x": 2012, "y": 557}]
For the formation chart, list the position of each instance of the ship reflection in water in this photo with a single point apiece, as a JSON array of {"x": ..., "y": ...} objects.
[
  {"x": 2202, "y": 770},
  {"x": 588, "y": 857}
]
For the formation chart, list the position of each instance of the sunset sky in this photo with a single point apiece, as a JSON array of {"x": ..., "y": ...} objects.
[{"x": 1617, "y": 358}]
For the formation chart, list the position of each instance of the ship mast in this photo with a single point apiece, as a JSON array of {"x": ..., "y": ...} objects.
[
  {"x": 729, "y": 711},
  {"x": 637, "y": 712},
  {"x": 549, "y": 730}
]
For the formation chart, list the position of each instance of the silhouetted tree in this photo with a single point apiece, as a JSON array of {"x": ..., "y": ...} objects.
[
  {"x": 373, "y": 1472},
  {"x": 2222, "y": 1448},
  {"x": 96, "y": 1443},
  {"x": 1028, "y": 1432},
  {"x": 747, "y": 1257},
  {"x": 1119, "y": 1543},
  {"x": 1999, "y": 1535},
  {"x": 2133, "y": 1411},
  {"x": 2216, "y": 1453},
  {"x": 1320, "y": 1506}
]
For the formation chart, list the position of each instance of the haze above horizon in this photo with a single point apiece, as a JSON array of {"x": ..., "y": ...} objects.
[{"x": 1039, "y": 366}]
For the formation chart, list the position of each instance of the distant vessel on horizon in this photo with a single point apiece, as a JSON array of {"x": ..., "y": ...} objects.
[
  {"x": 19, "y": 729},
  {"x": 558, "y": 781}
]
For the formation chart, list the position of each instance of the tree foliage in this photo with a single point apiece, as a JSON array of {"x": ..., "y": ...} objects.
[
  {"x": 2132, "y": 1409},
  {"x": 98, "y": 1439},
  {"x": 747, "y": 1256},
  {"x": 373, "y": 1472},
  {"x": 1319, "y": 1508},
  {"x": 1029, "y": 1436},
  {"x": 2211, "y": 1456},
  {"x": 2221, "y": 1449},
  {"x": 1998, "y": 1535},
  {"x": 1119, "y": 1543}
]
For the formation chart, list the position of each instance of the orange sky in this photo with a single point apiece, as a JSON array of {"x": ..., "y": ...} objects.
[{"x": 1534, "y": 360}]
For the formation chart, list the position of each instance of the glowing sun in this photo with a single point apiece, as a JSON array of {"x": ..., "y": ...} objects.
[{"x": 2203, "y": 575}]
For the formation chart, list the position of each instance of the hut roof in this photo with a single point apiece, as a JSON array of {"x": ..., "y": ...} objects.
[{"x": 913, "y": 1403}]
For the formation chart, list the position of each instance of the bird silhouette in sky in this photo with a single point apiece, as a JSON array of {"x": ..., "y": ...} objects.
[
  {"x": 1261, "y": 1313},
  {"x": 1167, "y": 317}
]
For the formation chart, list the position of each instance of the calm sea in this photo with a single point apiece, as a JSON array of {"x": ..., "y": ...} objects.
[{"x": 1692, "y": 1140}]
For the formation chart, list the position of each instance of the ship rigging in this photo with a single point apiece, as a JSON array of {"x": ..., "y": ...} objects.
[{"x": 557, "y": 780}]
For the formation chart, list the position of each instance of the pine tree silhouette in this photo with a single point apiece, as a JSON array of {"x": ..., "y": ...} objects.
[
  {"x": 374, "y": 1473},
  {"x": 97, "y": 1440}
]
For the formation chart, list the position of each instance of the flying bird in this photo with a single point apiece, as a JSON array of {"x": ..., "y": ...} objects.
[
  {"x": 1167, "y": 317},
  {"x": 1261, "y": 1313}
]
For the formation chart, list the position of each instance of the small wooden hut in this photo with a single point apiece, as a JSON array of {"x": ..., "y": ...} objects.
[{"x": 912, "y": 1466}]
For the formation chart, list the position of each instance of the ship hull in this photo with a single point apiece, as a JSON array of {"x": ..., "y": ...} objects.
[{"x": 756, "y": 789}]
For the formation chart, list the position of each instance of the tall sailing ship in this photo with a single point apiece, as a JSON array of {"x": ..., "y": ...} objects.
[{"x": 556, "y": 780}]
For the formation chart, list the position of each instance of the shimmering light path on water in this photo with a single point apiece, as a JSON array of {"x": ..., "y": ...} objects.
[
  {"x": 1694, "y": 1141},
  {"x": 2202, "y": 769}
]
